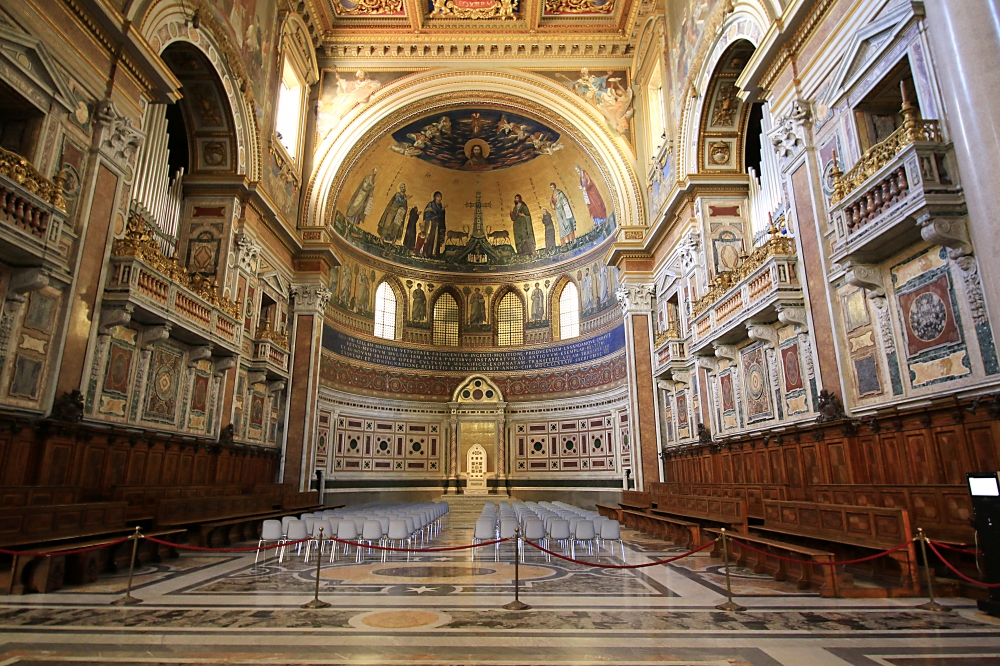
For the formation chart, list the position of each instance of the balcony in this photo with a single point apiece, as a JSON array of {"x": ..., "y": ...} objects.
[
  {"x": 270, "y": 354},
  {"x": 33, "y": 226},
  {"x": 751, "y": 292},
  {"x": 158, "y": 291},
  {"x": 670, "y": 352},
  {"x": 877, "y": 204}
]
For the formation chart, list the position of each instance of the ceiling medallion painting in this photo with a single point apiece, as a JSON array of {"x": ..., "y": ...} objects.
[
  {"x": 474, "y": 9},
  {"x": 561, "y": 7},
  {"x": 369, "y": 7},
  {"x": 474, "y": 189}
]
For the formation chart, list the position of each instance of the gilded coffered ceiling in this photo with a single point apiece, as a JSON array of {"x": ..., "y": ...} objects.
[{"x": 457, "y": 28}]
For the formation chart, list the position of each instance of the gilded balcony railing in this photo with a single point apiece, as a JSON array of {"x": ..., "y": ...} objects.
[
  {"x": 23, "y": 172},
  {"x": 776, "y": 245},
  {"x": 913, "y": 129},
  {"x": 140, "y": 241}
]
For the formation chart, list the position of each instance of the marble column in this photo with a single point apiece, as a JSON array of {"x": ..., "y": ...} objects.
[
  {"x": 637, "y": 308},
  {"x": 307, "y": 331},
  {"x": 965, "y": 38}
]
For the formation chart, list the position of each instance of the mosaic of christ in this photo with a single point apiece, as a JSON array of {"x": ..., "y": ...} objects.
[{"x": 412, "y": 197}]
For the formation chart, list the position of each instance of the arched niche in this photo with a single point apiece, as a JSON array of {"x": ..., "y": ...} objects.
[
  {"x": 746, "y": 20},
  {"x": 167, "y": 23},
  {"x": 478, "y": 419},
  {"x": 425, "y": 92}
]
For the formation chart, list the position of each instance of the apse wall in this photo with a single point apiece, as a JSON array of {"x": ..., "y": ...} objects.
[{"x": 391, "y": 415}]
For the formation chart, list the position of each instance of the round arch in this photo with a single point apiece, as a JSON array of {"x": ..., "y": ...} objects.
[
  {"x": 498, "y": 297},
  {"x": 555, "y": 296},
  {"x": 427, "y": 91},
  {"x": 432, "y": 300},
  {"x": 402, "y": 307},
  {"x": 748, "y": 22},
  {"x": 169, "y": 22}
]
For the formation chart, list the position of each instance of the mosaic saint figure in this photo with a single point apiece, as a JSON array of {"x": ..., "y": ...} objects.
[
  {"x": 361, "y": 201},
  {"x": 550, "y": 231},
  {"x": 434, "y": 223},
  {"x": 588, "y": 290},
  {"x": 591, "y": 197},
  {"x": 537, "y": 304},
  {"x": 410, "y": 238},
  {"x": 564, "y": 215},
  {"x": 346, "y": 282},
  {"x": 419, "y": 304},
  {"x": 524, "y": 231},
  {"x": 364, "y": 291},
  {"x": 390, "y": 227},
  {"x": 477, "y": 309},
  {"x": 602, "y": 291}
]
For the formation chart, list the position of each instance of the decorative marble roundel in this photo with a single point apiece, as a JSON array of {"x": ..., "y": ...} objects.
[
  {"x": 164, "y": 382},
  {"x": 791, "y": 369},
  {"x": 755, "y": 382},
  {"x": 928, "y": 316}
]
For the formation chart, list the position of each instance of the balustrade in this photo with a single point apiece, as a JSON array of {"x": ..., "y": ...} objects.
[{"x": 161, "y": 290}]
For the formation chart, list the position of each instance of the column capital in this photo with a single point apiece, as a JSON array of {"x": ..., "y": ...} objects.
[
  {"x": 636, "y": 298},
  {"x": 310, "y": 298}
]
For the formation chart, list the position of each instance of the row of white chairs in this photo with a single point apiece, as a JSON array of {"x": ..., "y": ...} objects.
[
  {"x": 392, "y": 525},
  {"x": 547, "y": 523}
]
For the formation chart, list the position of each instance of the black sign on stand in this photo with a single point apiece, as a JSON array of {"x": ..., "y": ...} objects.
[{"x": 985, "y": 490}]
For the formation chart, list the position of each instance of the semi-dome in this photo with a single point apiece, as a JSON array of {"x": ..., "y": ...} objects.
[{"x": 474, "y": 188}]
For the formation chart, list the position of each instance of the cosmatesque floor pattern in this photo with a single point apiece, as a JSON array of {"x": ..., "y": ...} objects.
[{"x": 447, "y": 609}]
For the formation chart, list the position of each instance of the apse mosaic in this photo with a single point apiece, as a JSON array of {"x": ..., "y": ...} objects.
[{"x": 475, "y": 190}]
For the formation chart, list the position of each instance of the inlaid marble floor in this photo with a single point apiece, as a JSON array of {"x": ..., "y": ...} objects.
[{"x": 446, "y": 608}]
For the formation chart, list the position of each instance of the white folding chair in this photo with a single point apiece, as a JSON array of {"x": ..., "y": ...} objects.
[{"x": 269, "y": 531}]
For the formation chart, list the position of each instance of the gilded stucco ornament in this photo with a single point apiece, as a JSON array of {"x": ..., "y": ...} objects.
[{"x": 463, "y": 9}]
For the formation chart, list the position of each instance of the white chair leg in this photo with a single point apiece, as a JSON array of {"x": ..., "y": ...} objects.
[{"x": 258, "y": 552}]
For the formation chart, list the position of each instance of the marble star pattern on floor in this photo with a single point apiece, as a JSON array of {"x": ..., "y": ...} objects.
[{"x": 446, "y": 608}]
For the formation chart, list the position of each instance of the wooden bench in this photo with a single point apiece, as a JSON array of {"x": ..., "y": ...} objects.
[
  {"x": 943, "y": 511},
  {"x": 827, "y": 580},
  {"x": 142, "y": 499},
  {"x": 613, "y": 512},
  {"x": 48, "y": 527},
  {"x": 15, "y": 496},
  {"x": 754, "y": 494},
  {"x": 666, "y": 527},
  {"x": 632, "y": 499},
  {"x": 297, "y": 501},
  {"x": 719, "y": 511},
  {"x": 871, "y": 528}
]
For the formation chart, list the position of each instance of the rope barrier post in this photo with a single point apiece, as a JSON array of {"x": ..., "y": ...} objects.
[
  {"x": 316, "y": 603},
  {"x": 730, "y": 605},
  {"x": 517, "y": 604},
  {"x": 931, "y": 605},
  {"x": 128, "y": 599}
]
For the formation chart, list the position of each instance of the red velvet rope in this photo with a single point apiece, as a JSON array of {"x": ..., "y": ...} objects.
[
  {"x": 417, "y": 550},
  {"x": 959, "y": 550},
  {"x": 61, "y": 553},
  {"x": 226, "y": 550},
  {"x": 825, "y": 564},
  {"x": 620, "y": 566},
  {"x": 959, "y": 573}
]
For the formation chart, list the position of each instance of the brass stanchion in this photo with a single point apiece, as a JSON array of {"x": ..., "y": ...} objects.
[
  {"x": 931, "y": 604},
  {"x": 730, "y": 605},
  {"x": 128, "y": 599},
  {"x": 517, "y": 604},
  {"x": 316, "y": 603}
]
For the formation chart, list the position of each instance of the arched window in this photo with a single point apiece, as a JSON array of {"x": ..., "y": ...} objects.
[
  {"x": 569, "y": 312},
  {"x": 510, "y": 321},
  {"x": 288, "y": 119},
  {"x": 446, "y": 321},
  {"x": 385, "y": 312}
]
